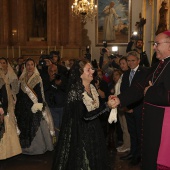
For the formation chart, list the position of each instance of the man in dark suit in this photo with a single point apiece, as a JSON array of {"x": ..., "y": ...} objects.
[
  {"x": 156, "y": 107},
  {"x": 134, "y": 111}
]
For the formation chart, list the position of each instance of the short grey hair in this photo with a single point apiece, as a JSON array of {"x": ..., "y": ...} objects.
[{"x": 133, "y": 53}]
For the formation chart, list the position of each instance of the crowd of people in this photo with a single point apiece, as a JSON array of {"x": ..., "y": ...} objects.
[
  {"x": 77, "y": 107},
  {"x": 152, "y": 89}
]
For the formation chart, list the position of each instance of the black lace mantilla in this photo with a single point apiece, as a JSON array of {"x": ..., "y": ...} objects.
[
  {"x": 2, "y": 126},
  {"x": 2, "y": 130},
  {"x": 75, "y": 87},
  {"x": 29, "y": 122},
  {"x": 81, "y": 143}
]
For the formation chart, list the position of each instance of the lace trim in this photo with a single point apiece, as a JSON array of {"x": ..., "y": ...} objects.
[
  {"x": 2, "y": 130},
  {"x": 91, "y": 103},
  {"x": 100, "y": 113},
  {"x": 75, "y": 93},
  {"x": 33, "y": 81},
  {"x": 11, "y": 85},
  {"x": 1, "y": 82},
  {"x": 10, "y": 78}
]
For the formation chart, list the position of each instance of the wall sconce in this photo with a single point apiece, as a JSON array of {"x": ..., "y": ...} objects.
[
  {"x": 135, "y": 33},
  {"x": 14, "y": 32}
]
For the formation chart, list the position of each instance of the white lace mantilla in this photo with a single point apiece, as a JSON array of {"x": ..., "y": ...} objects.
[{"x": 91, "y": 103}]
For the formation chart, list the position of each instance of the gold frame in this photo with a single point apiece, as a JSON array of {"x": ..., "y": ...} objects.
[{"x": 121, "y": 38}]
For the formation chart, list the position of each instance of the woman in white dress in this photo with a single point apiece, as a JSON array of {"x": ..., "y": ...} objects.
[{"x": 9, "y": 141}]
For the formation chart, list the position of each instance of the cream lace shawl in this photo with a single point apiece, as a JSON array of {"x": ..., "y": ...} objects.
[
  {"x": 91, "y": 103},
  {"x": 10, "y": 80}
]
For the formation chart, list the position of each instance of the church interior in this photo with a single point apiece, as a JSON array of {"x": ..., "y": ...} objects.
[
  {"x": 23, "y": 34},
  {"x": 31, "y": 28}
]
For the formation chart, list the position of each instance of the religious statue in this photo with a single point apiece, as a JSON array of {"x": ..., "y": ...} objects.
[
  {"x": 139, "y": 26},
  {"x": 40, "y": 18},
  {"x": 163, "y": 18}
]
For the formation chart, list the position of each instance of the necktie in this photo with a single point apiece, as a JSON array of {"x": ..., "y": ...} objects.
[{"x": 132, "y": 73}]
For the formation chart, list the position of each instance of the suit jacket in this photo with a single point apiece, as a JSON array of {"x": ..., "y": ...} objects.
[
  {"x": 140, "y": 74},
  {"x": 153, "y": 117}
]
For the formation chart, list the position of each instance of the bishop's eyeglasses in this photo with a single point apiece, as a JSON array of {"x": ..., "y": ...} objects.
[{"x": 157, "y": 43}]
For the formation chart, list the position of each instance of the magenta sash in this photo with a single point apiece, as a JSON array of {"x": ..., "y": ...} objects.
[{"x": 163, "y": 158}]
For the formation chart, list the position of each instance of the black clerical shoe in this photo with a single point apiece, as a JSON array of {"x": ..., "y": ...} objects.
[{"x": 126, "y": 157}]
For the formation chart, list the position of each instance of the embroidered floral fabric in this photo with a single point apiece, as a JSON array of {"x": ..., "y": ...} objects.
[
  {"x": 2, "y": 130},
  {"x": 91, "y": 103},
  {"x": 28, "y": 122},
  {"x": 2, "y": 125}
]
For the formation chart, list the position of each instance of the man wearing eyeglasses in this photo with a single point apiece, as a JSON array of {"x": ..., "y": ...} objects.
[{"x": 155, "y": 133}]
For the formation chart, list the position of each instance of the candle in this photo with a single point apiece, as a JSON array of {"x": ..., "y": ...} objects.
[
  {"x": 48, "y": 50},
  {"x": 12, "y": 51},
  {"x": 91, "y": 53},
  {"x": 7, "y": 52},
  {"x": 75, "y": 3},
  {"x": 61, "y": 51},
  {"x": 19, "y": 51}
]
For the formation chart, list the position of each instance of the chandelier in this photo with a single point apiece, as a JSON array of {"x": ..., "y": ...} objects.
[{"x": 84, "y": 9}]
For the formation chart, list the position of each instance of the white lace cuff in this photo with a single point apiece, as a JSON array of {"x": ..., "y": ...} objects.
[
  {"x": 18, "y": 131},
  {"x": 52, "y": 133}
]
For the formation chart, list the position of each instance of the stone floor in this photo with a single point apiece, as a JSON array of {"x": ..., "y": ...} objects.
[{"x": 44, "y": 162}]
